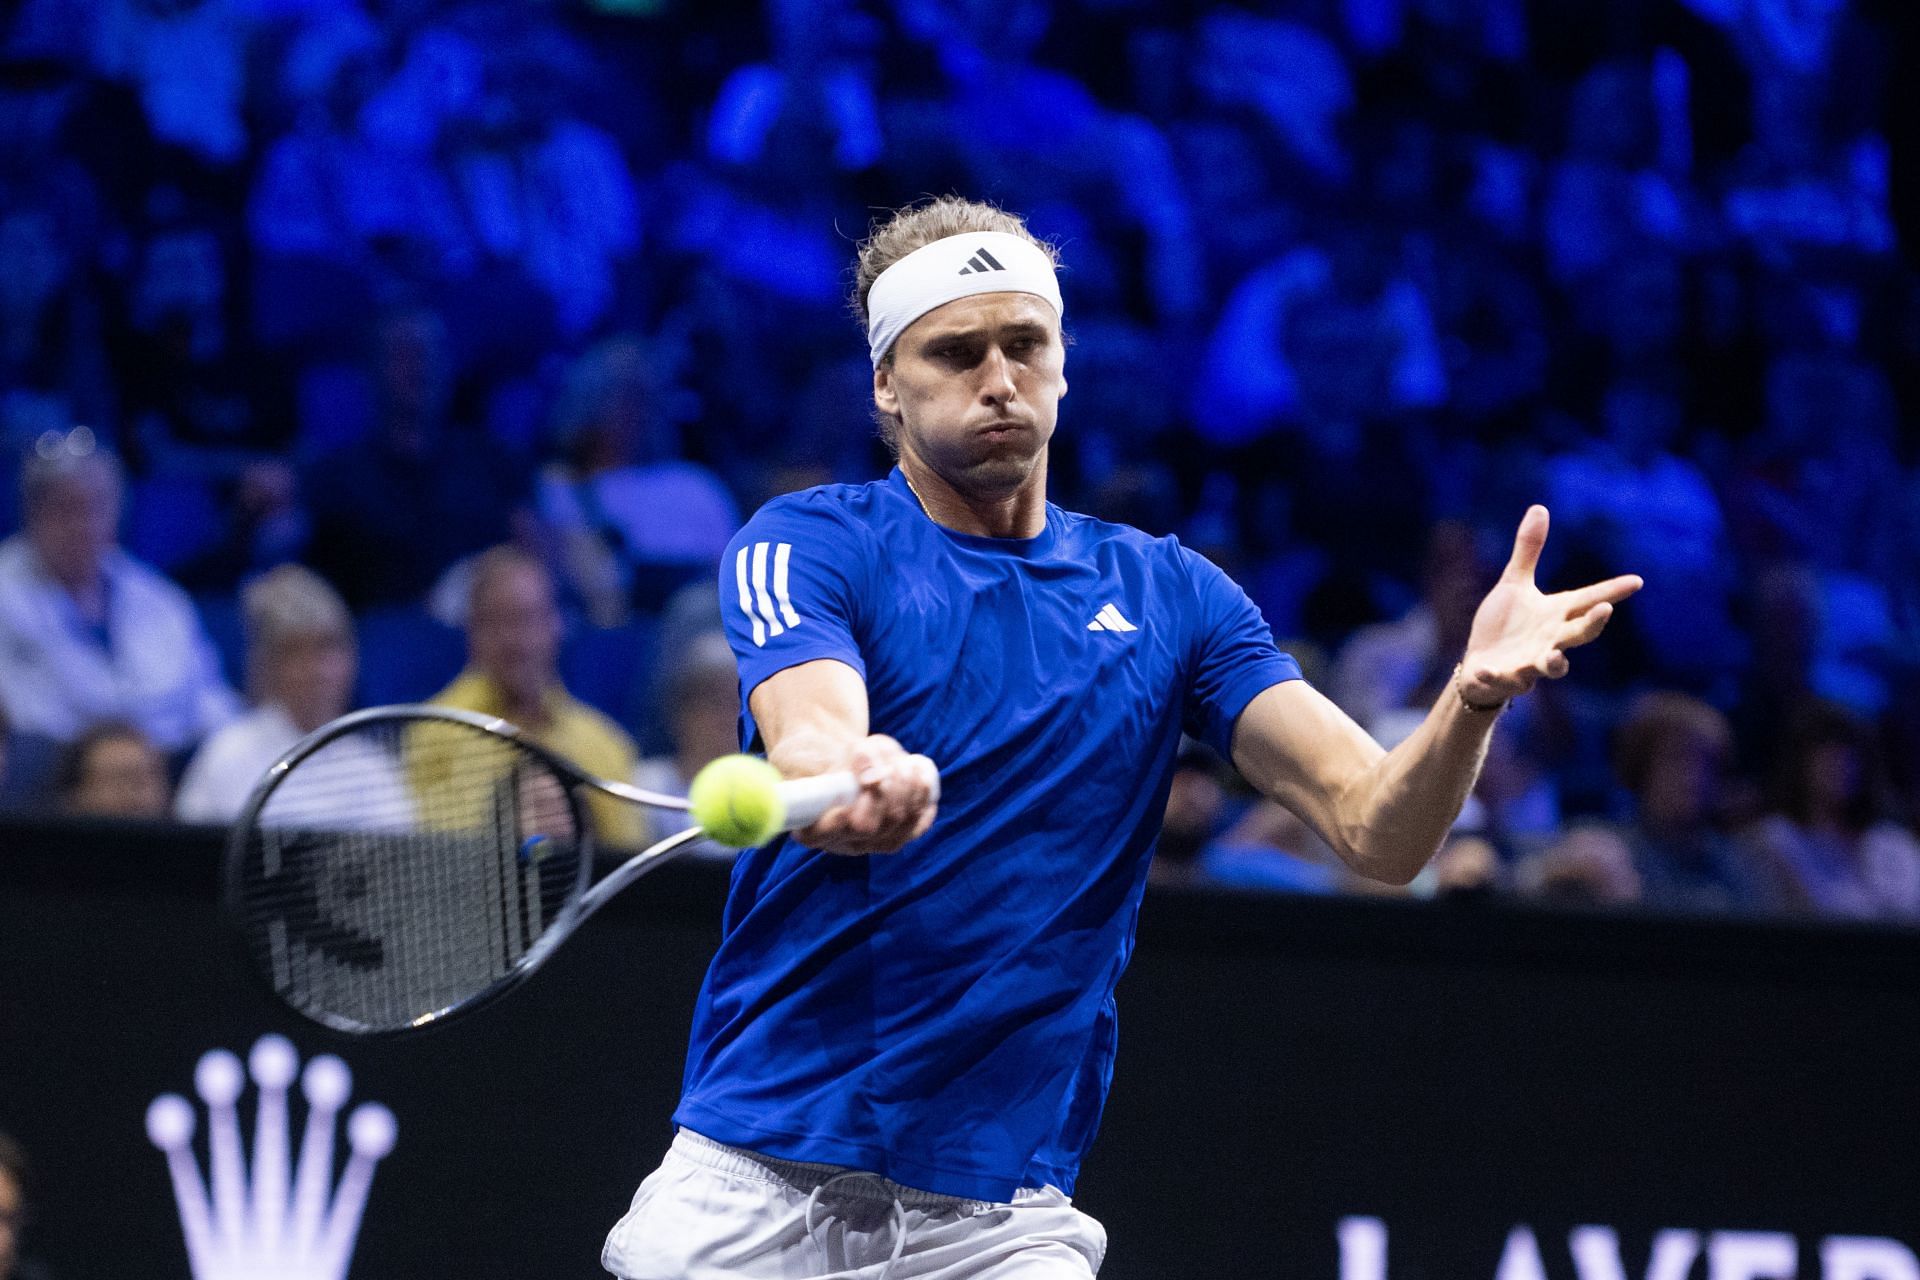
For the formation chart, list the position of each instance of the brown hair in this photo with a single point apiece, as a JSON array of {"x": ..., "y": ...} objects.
[
  {"x": 496, "y": 562},
  {"x": 916, "y": 226},
  {"x": 76, "y": 758},
  {"x": 1658, "y": 720},
  {"x": 1825, "y": 724}
]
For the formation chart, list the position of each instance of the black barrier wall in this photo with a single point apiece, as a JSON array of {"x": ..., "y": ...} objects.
[{"x": 1455, "y": 1091}]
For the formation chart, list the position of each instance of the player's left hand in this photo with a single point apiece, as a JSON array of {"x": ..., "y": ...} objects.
[{"x": 1521, "y": 634}]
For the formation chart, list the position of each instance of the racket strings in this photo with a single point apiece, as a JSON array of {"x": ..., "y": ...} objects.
[{"x": 403, "y": 868}]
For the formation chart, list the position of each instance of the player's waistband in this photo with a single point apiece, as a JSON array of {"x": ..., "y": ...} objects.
[{"x": 807, "y": 1177}]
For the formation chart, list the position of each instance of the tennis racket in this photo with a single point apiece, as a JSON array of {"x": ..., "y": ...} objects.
[{"x": 406, "y": 864}]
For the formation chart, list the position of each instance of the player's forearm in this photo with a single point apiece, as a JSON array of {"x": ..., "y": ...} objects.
[
  {"x": 812, "y": 717},
  {"x": 809, "y": 751},
  {"x": 1398, "y": 813}
]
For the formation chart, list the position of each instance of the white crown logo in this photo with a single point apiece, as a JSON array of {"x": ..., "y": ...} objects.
[{"x": 286, "y": 1224}]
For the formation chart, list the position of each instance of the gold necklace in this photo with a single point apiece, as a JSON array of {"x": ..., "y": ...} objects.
[{"x": 924, "y": 508}]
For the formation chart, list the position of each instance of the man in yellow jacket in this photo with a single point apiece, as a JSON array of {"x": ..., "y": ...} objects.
[{"x": 513, "y": 648}]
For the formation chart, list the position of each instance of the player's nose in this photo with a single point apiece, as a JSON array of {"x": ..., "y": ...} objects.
[{"x": 996, "y": 377}]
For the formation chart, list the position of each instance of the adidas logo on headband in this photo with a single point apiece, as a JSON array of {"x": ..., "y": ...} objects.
[
  {"x": 980, "y": 261},
  {"x": 990, "y": 262}
]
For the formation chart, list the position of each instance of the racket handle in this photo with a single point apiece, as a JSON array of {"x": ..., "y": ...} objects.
[{"x": 808, "y": 798}]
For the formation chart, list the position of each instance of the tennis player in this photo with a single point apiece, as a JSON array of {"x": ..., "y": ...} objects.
[{"x": 898, "y": 1061}]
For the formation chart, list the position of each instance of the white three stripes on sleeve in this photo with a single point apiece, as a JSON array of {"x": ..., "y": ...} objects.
[{"x": 760, "y": 608}]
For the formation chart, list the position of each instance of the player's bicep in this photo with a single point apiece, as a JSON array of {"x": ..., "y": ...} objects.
[{"x": 1297, "y": 747}]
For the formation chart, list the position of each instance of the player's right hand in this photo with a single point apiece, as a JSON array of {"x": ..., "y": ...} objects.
[{"x": 895, "y": 803}]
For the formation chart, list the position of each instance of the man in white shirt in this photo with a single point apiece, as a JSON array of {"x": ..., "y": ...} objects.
[{"x": 88, "y": 633}]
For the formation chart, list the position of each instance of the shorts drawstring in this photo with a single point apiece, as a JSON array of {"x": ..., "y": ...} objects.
[{"x": 899, "y": 1214}]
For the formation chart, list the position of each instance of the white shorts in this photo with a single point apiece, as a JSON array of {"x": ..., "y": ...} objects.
[{"x": 711, "y": 1212}]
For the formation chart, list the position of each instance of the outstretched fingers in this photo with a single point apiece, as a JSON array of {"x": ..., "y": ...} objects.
[
  {"x": 1586, "y": 628},
  {"x": 1527, "y": 544},
  {"x": 1611, "y": 592}
]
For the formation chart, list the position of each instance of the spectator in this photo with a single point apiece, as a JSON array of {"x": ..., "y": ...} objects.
[
  {"x": 1291, "y": 77},
  {"x": 393, "y": 512},
  {"x": 1089, "y": 162},
  {"x": 52, "y": 360},
  {"x": 1467, "y": 866},
  {"x": 1391, "y": 666},
  {"x": 15, "y": 1213},
  {"x": 207, "y": 422},
  {"x": 112, "y": 771},
  {"x": 1610, "y": 198},
  {"x": 1820, "y": 486},
  {"x": 1590, "y": 864},
  {"x": 1671, "y": 752},
  {"x": 1630, "y": 496},
  {"x": 513, "y": 648},
  {"x": 90, "y": 633},
  {"x": 1784, "y": 611},
  {"x": 703, "y": 720},
  {"x": 1208, "y": 839},
  {"x": 1519, "y": 790},
  {"x": 301, "y": 665},
  {"x": 820, "y": 77},
  {"x": 632, "y": 520},
  {"x": 1828, "y": 833},
  {"x": 1820, "y": 482},
  {"x": 1323, "y": 338},
  {"x": 337, "y": 193}
]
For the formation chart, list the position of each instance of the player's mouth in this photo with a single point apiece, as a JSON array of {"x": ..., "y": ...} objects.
[{"x": 995, "y": 432}]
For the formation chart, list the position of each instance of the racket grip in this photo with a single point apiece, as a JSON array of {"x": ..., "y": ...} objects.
[{"x": 807, "y": 798}]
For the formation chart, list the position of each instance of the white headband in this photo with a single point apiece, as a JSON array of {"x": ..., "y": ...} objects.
[{"x": 946, "y": 270}]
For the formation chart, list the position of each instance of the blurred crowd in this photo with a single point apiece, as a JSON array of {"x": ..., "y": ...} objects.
[{"x": 356, "y": 351}]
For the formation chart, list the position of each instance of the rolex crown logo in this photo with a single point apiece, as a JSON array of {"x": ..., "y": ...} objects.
[{"x": 283, "y": 1217}]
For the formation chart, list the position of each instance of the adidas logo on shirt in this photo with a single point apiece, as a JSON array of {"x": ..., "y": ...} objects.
[
  {"x": 1109, "y": 619},
  {"x": 980, "y": 261},
  {"x": 767, "y": 613}
]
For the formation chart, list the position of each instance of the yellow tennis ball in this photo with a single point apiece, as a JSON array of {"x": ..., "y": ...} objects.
[{"x": 736, "y": 800}]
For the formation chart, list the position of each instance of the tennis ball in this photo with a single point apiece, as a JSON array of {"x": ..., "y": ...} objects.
[{"x": 736, "y": 800}]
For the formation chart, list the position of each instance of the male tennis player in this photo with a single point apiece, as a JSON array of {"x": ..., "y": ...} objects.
[{"x": 898, "y": 1062}]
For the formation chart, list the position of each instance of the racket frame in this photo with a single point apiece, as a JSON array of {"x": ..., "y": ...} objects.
[{"x": 584, "y": 896}]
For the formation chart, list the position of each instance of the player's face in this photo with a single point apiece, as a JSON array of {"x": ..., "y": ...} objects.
[{"x": 976, "y": 385}]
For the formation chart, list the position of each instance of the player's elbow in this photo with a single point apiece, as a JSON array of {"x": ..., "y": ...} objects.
[
  {"x": 1399, "y": 877},
  {"x": 1386, "y": 864}
]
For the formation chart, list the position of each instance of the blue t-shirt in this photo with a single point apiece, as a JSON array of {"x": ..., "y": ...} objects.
[{"x": 944, "y": 1016}]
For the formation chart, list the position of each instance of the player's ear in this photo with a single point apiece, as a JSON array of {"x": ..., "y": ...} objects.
[{"x": 885, "y": 397}]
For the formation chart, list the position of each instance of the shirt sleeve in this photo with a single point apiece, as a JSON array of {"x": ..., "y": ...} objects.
[
  {"x": 1233, "y": 655},
  {"x": 790, "y": 589}
]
